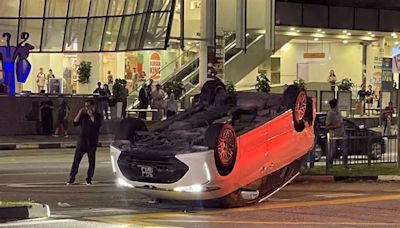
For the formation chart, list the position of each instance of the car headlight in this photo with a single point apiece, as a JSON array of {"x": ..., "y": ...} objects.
[{"x": 191, "y": 188}]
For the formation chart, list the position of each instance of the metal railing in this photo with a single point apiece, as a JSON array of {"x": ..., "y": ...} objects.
[{"x": 360, "y": 150}]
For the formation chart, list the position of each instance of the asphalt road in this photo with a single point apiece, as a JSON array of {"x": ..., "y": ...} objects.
[{"x": 41, "y": 175}]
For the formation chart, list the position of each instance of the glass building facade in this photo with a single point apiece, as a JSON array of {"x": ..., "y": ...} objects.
[{"x": 88, "y": 25}]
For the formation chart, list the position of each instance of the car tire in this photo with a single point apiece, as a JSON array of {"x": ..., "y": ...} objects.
[
  {"x": 210, "y": 90},
  {"x": 222, "y": 138},
  {"x": 377, "y": 148},
  {"x": 296, "y": 99},
  {"x": 128, "y": 128}
]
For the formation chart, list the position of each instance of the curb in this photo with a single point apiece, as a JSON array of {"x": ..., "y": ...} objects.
[
  {"x": 25, "y": 212},
  {"x": 331, "y": 178},
  {"x": 24, "y": 146}
]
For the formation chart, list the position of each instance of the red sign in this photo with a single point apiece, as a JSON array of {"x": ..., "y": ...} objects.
[{"x": 155, "y": 66}]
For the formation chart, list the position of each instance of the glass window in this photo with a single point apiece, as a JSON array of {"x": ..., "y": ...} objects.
[
  {"x": 10, "y": 26},
  {"x": 162, "y": 5},
  {"x": 56, "y": 8},
  {"x": 78, "y": 8},
  {"x": 9, "y": 8},
  {"x": 34, "y": 28},
  {"x": 134, "y": 37},
  {"x": 157, "y": 31},
  {"x": 74, "y": 36},
  {"x": 130, "y": 7},
  {"x": 32, "y": 8},
  {"x": 94, "y": 34},
  {"x": 98, "y": 8},
  {"x": 111, "y": 33},
  {"x": 123, "y": 37},
  {"x": 53, "y": 34},
  {"x": 142, "y": 6},
  {"x": 116, "y": 7}
]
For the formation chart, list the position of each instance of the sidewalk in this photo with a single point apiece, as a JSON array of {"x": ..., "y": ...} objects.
[{"x": 46, "y": 142}]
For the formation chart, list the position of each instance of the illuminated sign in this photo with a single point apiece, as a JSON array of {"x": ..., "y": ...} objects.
[
  {"x": 155, "y": 66},
  {"x": 15, "y": 61}
]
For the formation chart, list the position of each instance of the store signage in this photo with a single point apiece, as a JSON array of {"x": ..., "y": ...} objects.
[
  {"x": 15, "y": 56},
  {"x": 387, "y": 75},
  {"x": 314, "y": 55},
  {"x": 155, "y": 66}
]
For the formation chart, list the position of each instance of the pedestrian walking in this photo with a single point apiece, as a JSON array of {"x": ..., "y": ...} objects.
[
  {"x": 106, "y": 99},
  {"x": 335, "y": 125},
  {"x": 101, "y": 98},
  {"x": 90, "y": 122},
  {"x": 46, "y": 115},
  {"x": 158, "y": 102},
  {"x": 387, "y": 116},
  {"x": 144, "y": 101},
  {"x": 62, "y": 118},
  {"x": 171, "y": 105}
]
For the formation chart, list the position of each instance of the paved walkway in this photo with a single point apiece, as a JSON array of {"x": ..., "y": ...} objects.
[{"x": 45, "y": 142}]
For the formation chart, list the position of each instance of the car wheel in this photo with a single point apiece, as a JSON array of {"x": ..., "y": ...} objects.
[
  {"x": 222, "y": 138},
  {"x": 296, "y": 99},
  {"x": 210, "y": 90},
  {"x": 376, "y": 149}
]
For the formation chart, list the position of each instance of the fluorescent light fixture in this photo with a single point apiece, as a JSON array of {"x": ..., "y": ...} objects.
[
  {"x": 113, "y": 165},
  {"x": 191, "y": 188},
  {"x": 292, "y": 29},
  {"x": 345, "y": 41},
  {"x": 123, "y": 183}
]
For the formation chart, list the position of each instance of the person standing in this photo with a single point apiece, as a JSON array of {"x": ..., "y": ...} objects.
[
  {"x": 369, "y": 94},
  {"x": 135, "y": 77},
  {"x": 332, "y": 80},
  {"x": 361, "y": 99},
  {"x": 46, "y": 115},
  {"x": 62, "y": 118},
  {"x": 171, "y": 105},
  {"x": 50, "y": 75},
  {"x": 40, "y": 80},
  {"x": 335, "y": 125},
  {"x": 124, "y": 97},
  {"x": 90, "y": 122},
  {"x": 100, "y": 95},
  {"x": 110, "y": 78},
  {"x": 106, "y": 99},
  {"x": 157, "y": 97},
  {"x": 387, "y": 116},
  {"x": 143, "y": 101}
]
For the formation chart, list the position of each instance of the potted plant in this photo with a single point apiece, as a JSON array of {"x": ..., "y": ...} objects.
[
  {"x": 263, "y": 83},
  {"x": 345, "y": 85},
  {"x": 119, "y": 94},
  {"x": 84, "y": 72},
  {"x": 300, "y": 83}
]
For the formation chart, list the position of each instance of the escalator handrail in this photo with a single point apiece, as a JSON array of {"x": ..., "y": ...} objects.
[{"x": 241, "y": 51}]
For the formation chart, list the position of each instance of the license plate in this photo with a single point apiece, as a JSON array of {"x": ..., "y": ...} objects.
[{"x": 147, "y": 171}]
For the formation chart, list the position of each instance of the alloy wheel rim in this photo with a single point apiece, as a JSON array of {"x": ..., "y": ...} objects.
[
  {"x": 300, "y": 106},
  {"x": 226, "y": 147}
]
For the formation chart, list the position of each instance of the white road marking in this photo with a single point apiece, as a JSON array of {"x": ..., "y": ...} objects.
[
  {"x": 339, "y": 195},
  {"x": 35, "y": 222}
]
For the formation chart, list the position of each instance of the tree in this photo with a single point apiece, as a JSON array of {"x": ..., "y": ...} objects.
[{"x": 84, "y": 72}]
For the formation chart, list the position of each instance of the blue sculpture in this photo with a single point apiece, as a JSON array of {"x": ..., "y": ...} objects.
[{"x": 11, "y": 56}]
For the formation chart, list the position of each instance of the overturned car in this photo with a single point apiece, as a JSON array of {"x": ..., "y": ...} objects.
[{"x": 233, "y": 149}]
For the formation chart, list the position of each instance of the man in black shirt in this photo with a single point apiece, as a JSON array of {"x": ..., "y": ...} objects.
[{"x": 90, "y": 122}]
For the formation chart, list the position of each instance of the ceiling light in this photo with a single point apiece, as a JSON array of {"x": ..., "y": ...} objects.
[
  {"x": 393, "y": 34},
  {"x": 323, "y": 32},
  {"x": 316, "y": 39},
  {"x": 247, "y": 34},
  {"x": 292, "y": 29},
  {"x": 349, "y": 34},
  {"x": 397, "y": 42},
  {"x": 344, "y": 31},
  {"x": 297, "y": 30},
  {"x": 189, "y": 43},
  {"x": 108, "y": 33},
  {"x": 149, "y": 42},
  {"x": 369, "y": 33},
  {"x": 345, "y": 41},
  {"x": 373, "y": 35},
  {"x": 319, "y": 30}
]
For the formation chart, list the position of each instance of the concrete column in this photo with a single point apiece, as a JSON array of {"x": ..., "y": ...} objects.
[
  {"x": 364, "y": 64},
  {"x": 203, "y": 53},
  {"x": 96, "y": 76}
]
